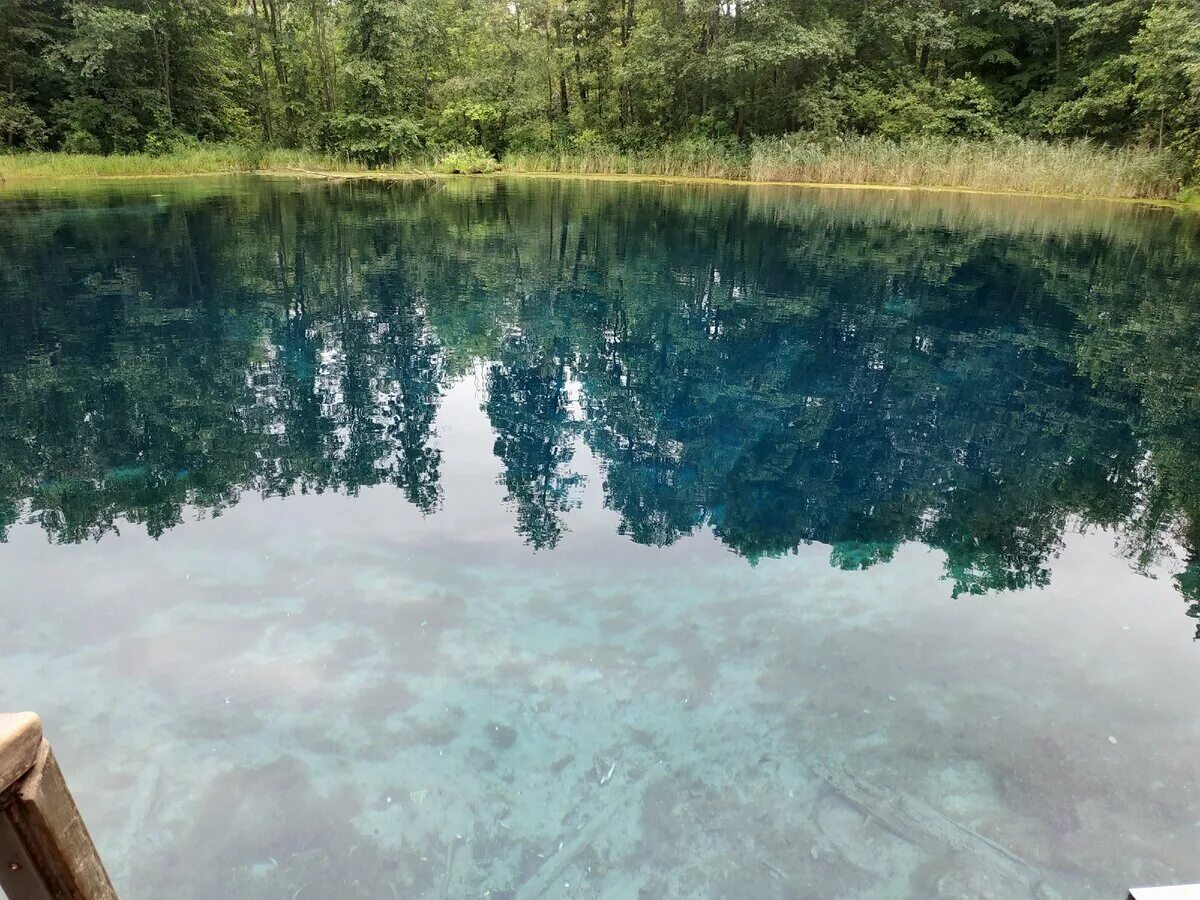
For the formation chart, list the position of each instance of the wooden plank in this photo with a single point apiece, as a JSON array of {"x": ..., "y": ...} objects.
[
  {"x": 51, "y": 832},
  {"x": 20, "y": 738},
  {"x": 19, "y": 879}
]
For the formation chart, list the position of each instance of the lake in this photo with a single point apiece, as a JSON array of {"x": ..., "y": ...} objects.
[{"x": 532, "y": 538}]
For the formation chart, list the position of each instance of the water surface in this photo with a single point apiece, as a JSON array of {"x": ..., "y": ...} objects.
[{"x": 569, "y": 539}]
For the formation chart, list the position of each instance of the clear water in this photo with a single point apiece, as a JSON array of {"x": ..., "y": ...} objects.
[{"x": 579, "y": 539}]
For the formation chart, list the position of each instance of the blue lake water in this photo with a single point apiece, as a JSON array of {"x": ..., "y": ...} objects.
[{"x": 530, "y": 538}]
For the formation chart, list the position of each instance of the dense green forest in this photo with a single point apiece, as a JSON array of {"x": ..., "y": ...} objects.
[{"x": 382, "y": 80}]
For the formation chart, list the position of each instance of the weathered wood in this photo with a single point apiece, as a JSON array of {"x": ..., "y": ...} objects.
[
  {"x": 20, "y": 738},
  {"x": 19, "y": 879},
  {"x": 49, "y": 853}
]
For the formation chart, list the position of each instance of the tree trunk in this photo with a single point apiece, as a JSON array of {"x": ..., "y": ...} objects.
[
  {"x": 167, "y": 76},
  {"x": 563, "y": 99},
  {"x": 581, "y": 84},
  {"x": 271, "y": 11},
  {"x": 267, "y": 125},
  {"x": 1058, "y": 47},
  {"x": 324, "y": 55},
  {"x": 162, "y": 61}
]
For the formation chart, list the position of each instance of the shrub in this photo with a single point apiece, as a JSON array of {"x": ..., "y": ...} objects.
[
  {"x": 20, "y": 125},
  {"x": 80, "y": 141},
  {"x": 376, "y": 141},
  {"x": 467, "y": 161}
]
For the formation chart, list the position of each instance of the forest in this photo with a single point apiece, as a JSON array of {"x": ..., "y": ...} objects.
[{"x": 380, "y": 81}]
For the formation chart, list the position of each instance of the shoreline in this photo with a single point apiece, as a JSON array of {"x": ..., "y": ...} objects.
[
  {"x": 377, "y": 175},
  {"x": 18, "y": 181}
]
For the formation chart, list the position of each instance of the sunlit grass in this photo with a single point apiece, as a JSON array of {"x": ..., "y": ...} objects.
[
  {"x": 203, "y": 159},
  {"x": 199, "y": 160},
  {"x": 307, "y": 161},
  {"x": 1011, "y": 164},
  {"x": 681, "y": 160},
  {"x": 1075, "y": 168}
]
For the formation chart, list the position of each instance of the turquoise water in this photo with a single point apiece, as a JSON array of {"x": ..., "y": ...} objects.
[{"x": 575, "y": 539}]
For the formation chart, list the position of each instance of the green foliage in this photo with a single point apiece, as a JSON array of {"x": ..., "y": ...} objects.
[
  {"x": 633, "y": 82},
  {"x": 78, "y": 141},
  {"x": 376, "y": 140},
  {"x": 20, "y": 125},
  {"x": 101, "y": 38},
  {"x": 467, "y": 161},
  {"x": 1166, "y": 57},
  {"x": 960, "y": 107}
]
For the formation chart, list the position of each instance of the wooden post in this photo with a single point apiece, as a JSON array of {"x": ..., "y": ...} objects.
[{"x": 46, "y": 852}]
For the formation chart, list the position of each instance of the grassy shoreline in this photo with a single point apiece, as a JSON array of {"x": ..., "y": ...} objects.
[
  {"x": 1018, "y": 168},
  {"x": 1011, "y": 166},
  {"x": 215, "y": 159},
  {"x": 880, "y": 186}
]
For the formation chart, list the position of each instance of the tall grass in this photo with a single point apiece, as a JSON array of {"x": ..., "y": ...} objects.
[
  {"x": 307, "y": 161},
  {"x": 687, "y": 159},
  {"x": 1014, "y": 164},
  {"x": 199, "y": 159}
]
